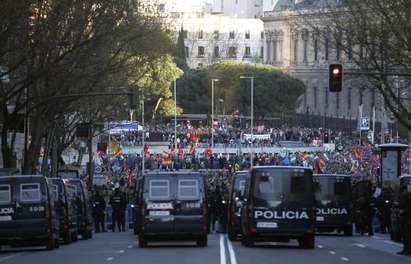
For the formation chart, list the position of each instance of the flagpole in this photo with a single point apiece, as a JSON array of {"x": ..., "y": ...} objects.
[{"x": 360, "y": 123}]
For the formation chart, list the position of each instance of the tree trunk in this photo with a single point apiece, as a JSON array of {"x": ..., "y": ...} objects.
[{"x": 33, "y": 151}]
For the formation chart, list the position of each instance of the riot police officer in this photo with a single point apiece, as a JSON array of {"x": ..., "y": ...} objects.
[
  {"x": 384, "y": 204},
  {"x": 405, "y": 219},
  {"x": 118, "y": 203},
  {"x": 99, "y": 212}
]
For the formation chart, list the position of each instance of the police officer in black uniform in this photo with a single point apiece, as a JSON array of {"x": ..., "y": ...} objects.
[
  {"x": 405, "y": 219},
  {"x": 118, "y": 203},
  {"x": 99, "y": 212}
]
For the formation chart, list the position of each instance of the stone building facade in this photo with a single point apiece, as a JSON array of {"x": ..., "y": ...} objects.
[
  {"x": 218, "y": 37},
  {"x": 295, "y": 48}
]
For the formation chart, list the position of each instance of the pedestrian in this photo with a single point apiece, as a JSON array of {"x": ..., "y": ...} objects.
[
  {"x": 99, "y": 209},
  {"x": 405, "y": 219},
  {"x": 118, "y": 203}
]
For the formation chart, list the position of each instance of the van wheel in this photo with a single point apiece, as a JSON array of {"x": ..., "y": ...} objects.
[
  {"x": 348, "y": 230},
  {"x": 247, "y": 241},
  {"x": 68, "y": 238},
  {"x": 307, "y": 242},
  {"x": 202, "y": 241},
  {"x": 87, "y": 234},
  {"x": 231, "y": 234},
  {"x": 74, "y": 237},
  {"x": 142, "y": 242},
  {"x": 51, "y": 243},
  {"x": 57, "y": 243}
]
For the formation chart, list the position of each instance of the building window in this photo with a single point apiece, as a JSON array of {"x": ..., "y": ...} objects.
[
  {"x": 326, "y": 51},
  {"x": 201, "y": 51},
  {"x": 185, "y": 34},
  {"x": 236, "y": 2},
  {"x": 232, "y": 34},
  {"x": 361, "y": 96},
  {"x": 262, "y": 34},
  {"x": 326, "y": 97},
  {"x": 232, "y": 52},
  {"x": 200, "y": 34},
  {"x": 295, "y": 51},
  {"x": 315, "y": 97},
  {"x": 216, "y": 52},
  {"x": 315, "y": 49},
  {"x": 337, "y": 101},
  {"x": 349, "y": 98},
  {"x": 161, "y": 8},
  {"x": 216, "y": 34},
  {"x": 247, "y": 35},
  {"x": 338, "y": 50},
  {"x": 261, "y": 52},
  {"x": 186, "y": 51},
  {"x": 349, "y": 52},
  {"x": 247, "y": 52},
  {"x": 373, "y": 98},
  {"x": 305, "y": 58}
]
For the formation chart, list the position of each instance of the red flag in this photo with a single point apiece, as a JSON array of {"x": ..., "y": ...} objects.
[
  {"x": 357, "y": 152},
  {"x": 208, "y": 152},
  {"x": 317, "y": 168},
  {"x": 180, "y": 152},
  {"x": 146, "y": 149}
]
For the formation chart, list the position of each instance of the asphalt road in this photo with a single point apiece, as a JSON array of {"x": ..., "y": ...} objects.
[{"x": 123, "y": 248}]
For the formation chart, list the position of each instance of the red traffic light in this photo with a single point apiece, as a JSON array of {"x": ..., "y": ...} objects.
[
  {"x": 336, "y": 71},
  {"x": 335, "y": 75}
]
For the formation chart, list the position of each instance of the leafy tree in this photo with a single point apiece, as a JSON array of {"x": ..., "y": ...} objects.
[
  {"x": 51, "y": 50},
  {"x": 274, "y": 91},
  {"x": 180, "y": 52}
]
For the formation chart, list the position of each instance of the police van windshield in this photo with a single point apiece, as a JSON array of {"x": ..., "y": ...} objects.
[
  {"x": 188, "y": 189},
  {"x": 239, "y": 185},
  {"x": 331, "y": 188},
  {"x": 5, "y": 194},
  {"x": 282, "y": 185},
  {"x": 159, "y": 189}
]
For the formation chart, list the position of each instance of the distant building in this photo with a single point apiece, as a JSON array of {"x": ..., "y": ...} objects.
[
  {"x": 298, "y": 50},
  {"x": 215, "y": 37}
]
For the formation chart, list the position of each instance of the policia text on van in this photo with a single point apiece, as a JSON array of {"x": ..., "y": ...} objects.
[
  {"x": 27, "y": 212},
  {"x": 172, "y": 206},
  {"x": 334, "y": 203},
  {"x": 279, "y": 206}
]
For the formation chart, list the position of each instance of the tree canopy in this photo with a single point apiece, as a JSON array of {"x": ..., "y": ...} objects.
[{"x": 274, "y": 91}]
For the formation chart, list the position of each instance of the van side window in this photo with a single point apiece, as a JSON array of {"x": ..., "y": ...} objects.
[
  {"x": 30, "y": 192},
  {"x": 159, "y": 189},
  {"x": 55, "y": 189},
  {"x": 188, "y": 189},
  {"x": 5, "y": 194}
]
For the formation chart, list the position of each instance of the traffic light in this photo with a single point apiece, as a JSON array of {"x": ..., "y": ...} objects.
[
  {"x": 132, "y": 97},
  {"x": 335, "y": 77}
]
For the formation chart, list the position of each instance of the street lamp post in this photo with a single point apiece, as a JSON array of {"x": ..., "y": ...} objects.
[
  {"x": 212, "y": 112},
  {"x": 252, "y": 114},
  {"x": 143, "y": 132},
  {"x": 175, "y": 114}
]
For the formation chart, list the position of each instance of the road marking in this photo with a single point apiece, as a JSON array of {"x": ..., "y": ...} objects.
[
  {"x": 376, "y": 237},
  {"x": 332, "y": 252},
  {"x": 392, "y": 243},
  {"x": 345, "y": 259},
  {"x": 121, "y": 251},
  {"x": 223, "y": 259},
  {"x": 109, "y": 259},
  {"x": 130, "y": 246},
  {"x": 9, "y": 257},
  {"x": 320, "y": 246},
  {"x": 233, "y": 259},
  {"x": 359, "y": 245}
]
